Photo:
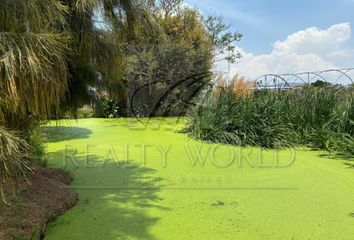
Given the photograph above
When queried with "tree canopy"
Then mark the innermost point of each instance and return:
(57, 55)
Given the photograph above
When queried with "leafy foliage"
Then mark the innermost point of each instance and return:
(317, 117)
(56, 56)
(108, 107)
(50, 52)
(165, 74)
(222, 38)
(33, 70)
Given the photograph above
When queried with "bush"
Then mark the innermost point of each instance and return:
(36, 140)
(85, 113)
(108, 107)
(318, 117)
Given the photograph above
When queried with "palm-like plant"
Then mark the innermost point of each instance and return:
(101, 32)
(14, 158)
(33, 68)
(33, 74)
(50, 49)
(46, 45)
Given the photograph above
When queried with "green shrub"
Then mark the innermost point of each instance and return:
(85, 113)
(36, 141)
(318, 117)
(108, 107)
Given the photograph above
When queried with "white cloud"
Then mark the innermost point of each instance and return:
(314, 40)
(311, 49)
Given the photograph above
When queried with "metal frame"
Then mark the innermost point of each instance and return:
(288, 81)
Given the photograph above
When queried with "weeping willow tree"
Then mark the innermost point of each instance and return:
(50, 50)
(33, 75)
(33, 67)
(101, 32)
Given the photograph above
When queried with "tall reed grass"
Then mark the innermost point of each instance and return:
(316, 117)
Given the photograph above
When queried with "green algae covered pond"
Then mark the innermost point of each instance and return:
(144, 180)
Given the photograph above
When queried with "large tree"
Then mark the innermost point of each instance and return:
(34, 43)
(50, 51)
(165, 72)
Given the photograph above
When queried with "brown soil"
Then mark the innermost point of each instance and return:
(46, 197)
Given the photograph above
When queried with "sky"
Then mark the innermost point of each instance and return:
(287, 36)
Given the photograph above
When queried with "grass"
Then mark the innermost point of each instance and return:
(249, 198)
(315, 117)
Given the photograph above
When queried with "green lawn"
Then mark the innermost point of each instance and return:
(238, 193)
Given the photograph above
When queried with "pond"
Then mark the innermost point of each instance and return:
(145, 180)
